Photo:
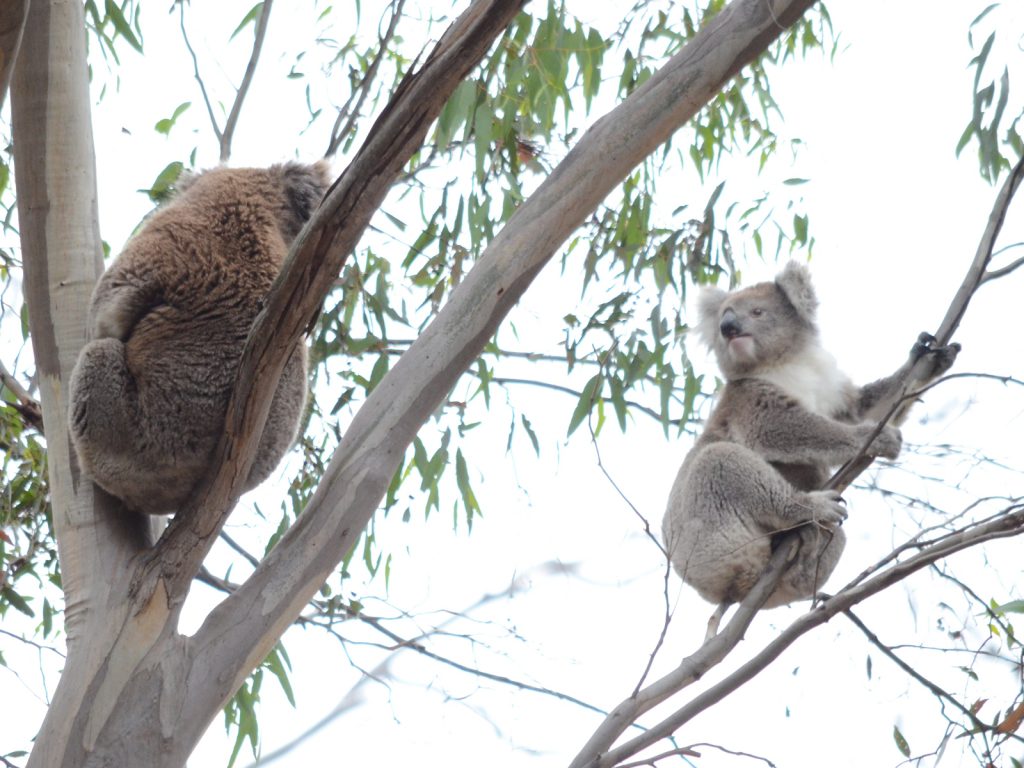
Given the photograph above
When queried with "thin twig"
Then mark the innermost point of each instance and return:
(198, 77)
(933, 687)
(973, 279)
(243, 88)
(1009, 524)
(363, 89)
(27, 406)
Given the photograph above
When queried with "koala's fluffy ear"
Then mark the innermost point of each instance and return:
(304, 186)
(709, 303)
(795, 283)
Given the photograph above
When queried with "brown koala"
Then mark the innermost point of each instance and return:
(786, 417)
(169, 320)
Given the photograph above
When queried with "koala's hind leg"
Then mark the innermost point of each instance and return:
(820, 549)
(104, 401)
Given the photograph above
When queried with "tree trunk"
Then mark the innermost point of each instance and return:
(134, 692)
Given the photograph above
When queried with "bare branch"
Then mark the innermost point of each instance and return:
(976, 274)
(1006, 525)
(995, 274)
(243, 88)
(933, 687)
(308, 275)
(362, 91)
(199, 79)
(29, 408)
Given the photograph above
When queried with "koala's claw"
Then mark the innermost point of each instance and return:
(828, 508)
(924, 344)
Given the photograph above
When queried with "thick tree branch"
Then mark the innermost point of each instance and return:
(308, 274)
(376, 440)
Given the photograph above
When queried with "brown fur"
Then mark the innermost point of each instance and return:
(169, 320)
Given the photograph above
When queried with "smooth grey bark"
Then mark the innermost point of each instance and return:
(137, 693)
(129, 694)
(55, 173)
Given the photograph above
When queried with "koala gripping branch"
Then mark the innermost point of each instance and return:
(977, 273)
(309, 273)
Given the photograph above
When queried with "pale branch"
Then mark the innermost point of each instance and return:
(1006, 525)
(12, 24)
(1003, 271)
(306, 278)
(199, 78)
(692, 668)
(240, 631)
(27, 406)
(918, 541)
(243, 88)
(975, 276)
(657, 543)
(362, 91)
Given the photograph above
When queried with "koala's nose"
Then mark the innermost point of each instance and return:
(730, 325)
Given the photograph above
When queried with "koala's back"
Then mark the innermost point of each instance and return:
(170, 318)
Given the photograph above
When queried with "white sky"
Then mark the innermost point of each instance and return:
(896, 218)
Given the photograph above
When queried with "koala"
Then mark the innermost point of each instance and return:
(168, 322)
(786, 417)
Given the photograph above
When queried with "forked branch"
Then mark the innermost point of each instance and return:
(598, 752)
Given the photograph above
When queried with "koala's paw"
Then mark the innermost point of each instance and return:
(940, 359)
(886, 445)
(827, 508)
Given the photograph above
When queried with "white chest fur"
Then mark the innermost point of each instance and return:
(813, 379)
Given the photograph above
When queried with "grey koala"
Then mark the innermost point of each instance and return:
(786, 416)
(168, 322)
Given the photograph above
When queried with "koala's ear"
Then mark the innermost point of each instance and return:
(709, 304)
(795, 283)
(304, 186)
(186, 178)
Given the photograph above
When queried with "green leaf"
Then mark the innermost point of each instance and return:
(901, 743)
(121, 25)
(586, 402)
(279, 665)
(530, 434)
(465, 488)
(250, 17)
(164, 181)
(1014, 606)
(164, 126)
(12, 597)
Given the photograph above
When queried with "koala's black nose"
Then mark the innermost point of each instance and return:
(730, 325)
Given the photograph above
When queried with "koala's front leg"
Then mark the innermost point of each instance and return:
(926, 362)
(793, 435)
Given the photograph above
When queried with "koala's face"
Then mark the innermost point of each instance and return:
(756, 328)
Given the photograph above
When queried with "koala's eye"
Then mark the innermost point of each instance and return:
(757, 311)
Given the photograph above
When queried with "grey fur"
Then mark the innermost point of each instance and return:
(784, 419)
(169, 319)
